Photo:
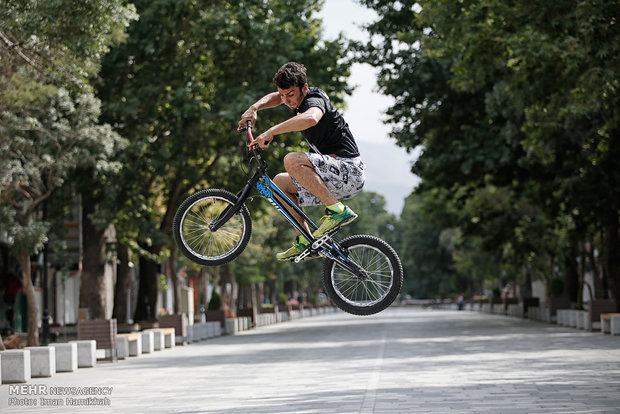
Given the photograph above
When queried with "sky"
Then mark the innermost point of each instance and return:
(388, 166)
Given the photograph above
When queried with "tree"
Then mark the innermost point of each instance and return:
(176, 89)
(48, 114)
(521, 98)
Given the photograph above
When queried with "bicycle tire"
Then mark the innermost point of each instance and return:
(378, 290)
(197, 242)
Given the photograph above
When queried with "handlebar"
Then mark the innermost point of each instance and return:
(253, 145)
(248, 128)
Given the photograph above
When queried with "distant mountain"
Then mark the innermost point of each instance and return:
(388, 172)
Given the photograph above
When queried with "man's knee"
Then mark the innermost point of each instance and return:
(281, 179)
(285, 183)
(293, 160)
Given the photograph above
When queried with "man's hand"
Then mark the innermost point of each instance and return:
(249, 115)
(264, 139)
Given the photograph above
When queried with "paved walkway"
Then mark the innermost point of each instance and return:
(399, 361)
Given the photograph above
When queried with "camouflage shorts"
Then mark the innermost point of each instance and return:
(344, 177)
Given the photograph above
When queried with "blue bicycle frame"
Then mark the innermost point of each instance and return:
(268, 189)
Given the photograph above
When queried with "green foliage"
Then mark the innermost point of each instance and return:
(162, 283)
(516, 108)
(373, 218)
(556, 287)
(282, 298)
(215, 303)
(41, 146)
(49, 117)
(177, 87)
(426, 259)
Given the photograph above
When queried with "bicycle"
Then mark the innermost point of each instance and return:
(362, 274)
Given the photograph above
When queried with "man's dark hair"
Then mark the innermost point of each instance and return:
(289, 75)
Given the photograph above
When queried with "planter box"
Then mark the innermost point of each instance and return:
(103, 332)
(596, 308)
(529, 303)
(249, 313)
(555, 304)
(216, 316)
(177, 321)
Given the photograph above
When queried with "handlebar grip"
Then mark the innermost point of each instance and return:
(245, 128)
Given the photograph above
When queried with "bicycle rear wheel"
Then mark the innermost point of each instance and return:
(378, 285)
(194, 237)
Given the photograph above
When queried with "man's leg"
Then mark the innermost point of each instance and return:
(302, 170)
(284, 182)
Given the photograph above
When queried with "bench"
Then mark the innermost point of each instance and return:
(158, 338)
(163, 337)
(148, 342)
(130, 344)
(169, 337)
(610, 322)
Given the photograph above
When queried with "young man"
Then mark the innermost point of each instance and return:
(333, 169)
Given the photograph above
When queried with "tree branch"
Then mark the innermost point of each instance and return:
(10, 45)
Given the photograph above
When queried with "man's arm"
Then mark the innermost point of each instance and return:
(271, 100)
(299, 122)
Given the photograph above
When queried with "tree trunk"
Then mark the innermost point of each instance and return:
(202, 289)
(260, 294)
(582, 276)
(33, 326)
(92, 286)
(254, 302)
(147, 291)
(123, 284)
(176, 283)
(612, 246)
(230, 291)
(597, 277)
(572, 274)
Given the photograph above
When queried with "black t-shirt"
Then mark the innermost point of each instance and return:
(331, 135)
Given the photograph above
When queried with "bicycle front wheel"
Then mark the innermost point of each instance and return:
(375, 286)
(194, 236)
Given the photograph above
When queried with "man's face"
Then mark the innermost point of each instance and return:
(292, 97)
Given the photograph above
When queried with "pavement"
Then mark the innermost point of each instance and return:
(403, 360)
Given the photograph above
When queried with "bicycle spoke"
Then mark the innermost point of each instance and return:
(199, 238)
(363, 291)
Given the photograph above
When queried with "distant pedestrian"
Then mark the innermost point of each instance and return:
(460, 302)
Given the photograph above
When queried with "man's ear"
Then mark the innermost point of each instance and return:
(305, 88)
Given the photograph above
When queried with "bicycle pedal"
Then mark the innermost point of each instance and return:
(302, 256)
(323, 240)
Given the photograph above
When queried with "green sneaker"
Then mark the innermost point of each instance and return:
(297, 249)
(331, 221)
